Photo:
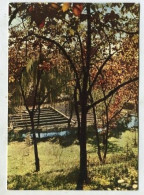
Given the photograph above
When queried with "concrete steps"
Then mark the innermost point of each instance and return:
(48, 117)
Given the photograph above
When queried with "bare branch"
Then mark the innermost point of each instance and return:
(121, 30)
(113, 91)
(100, 70)
(82, 57)
(24, 97)
(65, 54)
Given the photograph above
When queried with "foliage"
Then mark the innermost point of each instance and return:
(28, 139)
(93, 40)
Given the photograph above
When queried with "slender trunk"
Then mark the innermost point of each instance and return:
(96, 130)
(38, 113)
(31, 112)
(37, 164)
(97, 135)
(77, 112)
(70, 112)
(106, 147)
(106, 135)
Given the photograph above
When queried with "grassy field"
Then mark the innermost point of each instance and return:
(59, 161)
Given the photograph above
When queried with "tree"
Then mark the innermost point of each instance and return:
(89, 36)
(35, 76)
(111, 76)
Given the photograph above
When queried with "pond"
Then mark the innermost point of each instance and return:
(132, 123)
(50, 134)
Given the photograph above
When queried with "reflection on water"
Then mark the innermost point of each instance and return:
(50, 134)
(54, 134)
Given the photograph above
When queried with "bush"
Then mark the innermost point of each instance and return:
(28, 139)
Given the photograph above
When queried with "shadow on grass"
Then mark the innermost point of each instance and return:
(56, 180)
(112, 148)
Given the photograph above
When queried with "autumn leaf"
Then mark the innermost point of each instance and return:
(54, 5)
(11, 79)
(41, 25)
(77, 9)
(65, 7)
(30, 9)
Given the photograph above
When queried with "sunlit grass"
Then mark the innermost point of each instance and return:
(59, 165)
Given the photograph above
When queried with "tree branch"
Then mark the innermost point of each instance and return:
(82, 56)
(119, 111)
(121, 30)
(130, 33)
(65, 54)
(23, 95)
(113, 91)
(99, 71)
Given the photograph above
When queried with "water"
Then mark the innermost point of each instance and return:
(54, 134)
(100, 130)
(50, 134)
(133, 122)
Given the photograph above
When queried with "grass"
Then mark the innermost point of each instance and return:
(59, 163)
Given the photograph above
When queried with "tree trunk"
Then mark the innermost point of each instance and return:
(70, 113)
(77, 112)
(106, 148)
(83, 153)
(97, 134)
(107, 131)
(37, 164)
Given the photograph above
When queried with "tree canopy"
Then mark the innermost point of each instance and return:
(91, 48)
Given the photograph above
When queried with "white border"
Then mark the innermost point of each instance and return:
(4, 103)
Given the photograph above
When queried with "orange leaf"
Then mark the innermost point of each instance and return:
(65, 7)
(77, 9)
(54, 5)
